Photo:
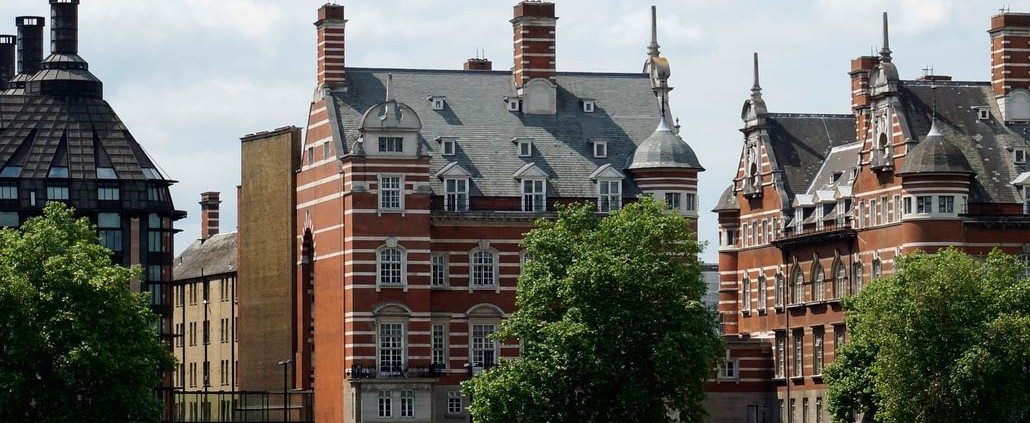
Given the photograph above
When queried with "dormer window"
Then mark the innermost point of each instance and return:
(391, 144)
(438, 101)
(10, 171)
(58, 172)
(983, 113)
(448, 145)
(1019, 155)
(588, 106)
(106, 173)
(600, 149)
(514, 103)
(525, 147)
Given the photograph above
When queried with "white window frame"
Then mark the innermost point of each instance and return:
(779, 290)
(799, 353)
(438, 103)
(600, 149)
(482, 274)
(763, 295)
(480, 344)
(840, 280)
(439, 344)
(690, 202)
(818, 283)
(674, 200)
(780, 356)
(399, 352)
(533, 201)
(924, 208)
(1019, 155)
(407, 404)
(398, 190)
(609, 199)
(729, 369)
(797, 287)
(818, 353)
(745, 298)
(8, 190)
(456, 194)
(525, 148)
(399, 275)
(385, 404)
(455, 403)
(857, 271)
(448, 147)
(946, 204)
(439, 272)
(589, 106)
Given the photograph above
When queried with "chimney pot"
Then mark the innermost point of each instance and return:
(209, 204)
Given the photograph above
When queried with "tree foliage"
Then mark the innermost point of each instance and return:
(609, 322)
(75, 344)
(946, 338)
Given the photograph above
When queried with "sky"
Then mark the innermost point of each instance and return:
(190, 77)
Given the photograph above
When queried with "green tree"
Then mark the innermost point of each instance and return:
(609, 322)
(946, 338)
(75, 344)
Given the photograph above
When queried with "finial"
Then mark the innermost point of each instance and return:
(677, 126)
(652, 50)
(389, 86)
(885, 52)
(756, 90)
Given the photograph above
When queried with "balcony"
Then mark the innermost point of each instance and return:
(421, 371)
(811, 234)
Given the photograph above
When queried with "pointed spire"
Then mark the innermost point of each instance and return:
(652, 49)
(389, 87)
(756, 89)
(885, 52)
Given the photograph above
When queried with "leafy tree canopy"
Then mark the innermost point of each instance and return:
(609, 322)
(75, 344)
(946, 338)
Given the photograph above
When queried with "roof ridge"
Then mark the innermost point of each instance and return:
(814, 115)
(497, 72)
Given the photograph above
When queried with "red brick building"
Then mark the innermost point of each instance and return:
(415, 188)
(822, 204)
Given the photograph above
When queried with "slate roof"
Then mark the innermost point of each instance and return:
(37, 132)
(936, 154)
(214, 256)
(802, 142)
(841, 159)
(986, 144)
(476, 114)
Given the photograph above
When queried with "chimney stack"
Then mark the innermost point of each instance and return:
(30, 44)
(331, 46)
(1010, 52)
(64, 26)
(8, 43)
(478, 64)
(209, 214)
(861, 69)
(534, 25)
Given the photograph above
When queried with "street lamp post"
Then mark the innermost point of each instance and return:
(286, 396)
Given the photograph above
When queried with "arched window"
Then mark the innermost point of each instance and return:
(856, 277)
(818, 283)
(745, 298)
(797, 289)
(840, 280)
(877, 268)
(390, 262)
(484, 268)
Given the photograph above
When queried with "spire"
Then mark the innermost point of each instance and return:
(756, 90)
(933, 117)
(885, 52)
(652, 49)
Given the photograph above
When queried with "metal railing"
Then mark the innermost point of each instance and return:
(232, 407)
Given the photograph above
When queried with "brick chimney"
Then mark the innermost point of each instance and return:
(478, 64)
(209, 214)
(1010, 41)
(861, 68)
(331, 64)
(534, 26)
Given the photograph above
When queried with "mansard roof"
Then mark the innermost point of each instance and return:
(801, 144)
(985, 144)
(476, 115)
